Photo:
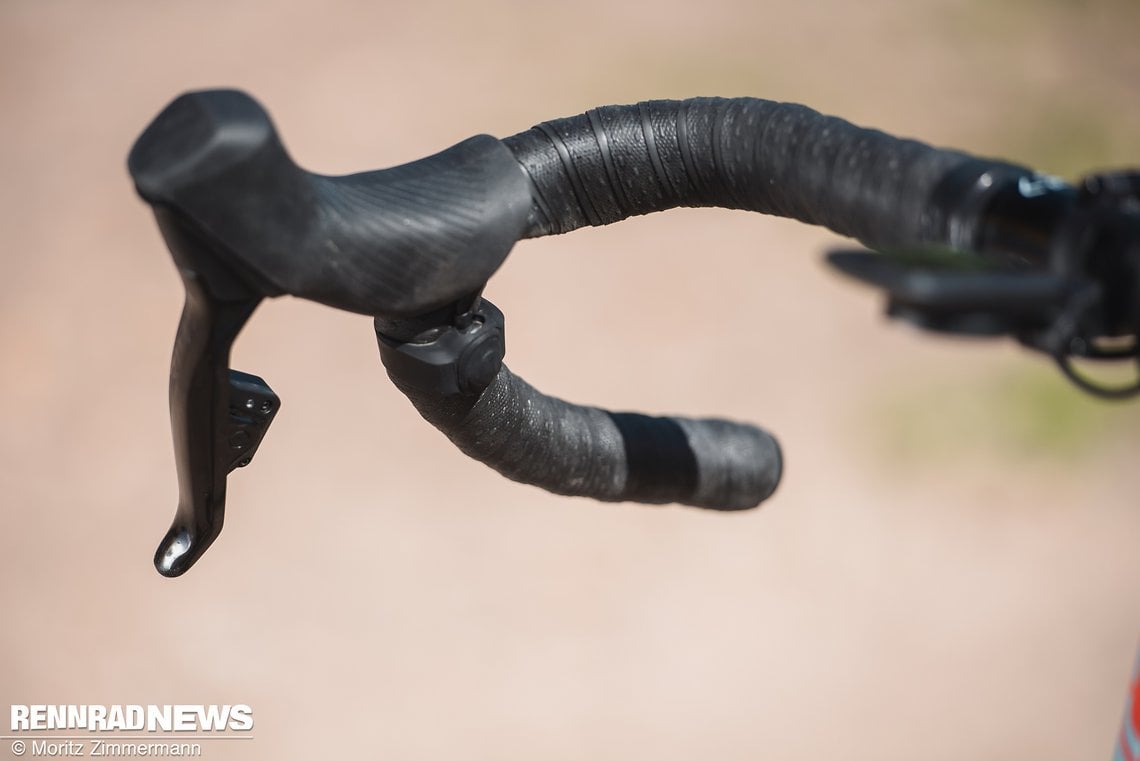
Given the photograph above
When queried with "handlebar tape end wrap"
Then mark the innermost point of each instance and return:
(576, 450)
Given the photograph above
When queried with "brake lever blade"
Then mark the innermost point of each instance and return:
(218, 416)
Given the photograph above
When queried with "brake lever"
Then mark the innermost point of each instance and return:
(934, 292)
(218, 416)
(244, 222)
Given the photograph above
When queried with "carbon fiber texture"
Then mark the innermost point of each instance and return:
(396, 241)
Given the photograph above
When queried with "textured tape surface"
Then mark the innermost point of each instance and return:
(617, 161)
(742, 153)
(585, 451)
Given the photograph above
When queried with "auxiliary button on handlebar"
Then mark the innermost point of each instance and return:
(461, 358)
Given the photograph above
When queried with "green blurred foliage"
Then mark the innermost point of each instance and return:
(1026, 412)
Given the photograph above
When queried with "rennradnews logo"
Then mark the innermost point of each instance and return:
(132, 718)
(123, 731)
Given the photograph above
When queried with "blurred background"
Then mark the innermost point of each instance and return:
(949, 570)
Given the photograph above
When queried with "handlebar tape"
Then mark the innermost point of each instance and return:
(618, 161)
(744, 153)
(586, 451)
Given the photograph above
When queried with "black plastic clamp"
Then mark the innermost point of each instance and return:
(459, 358)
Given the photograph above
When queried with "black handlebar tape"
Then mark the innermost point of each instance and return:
(396, 241)
(584, 451)
(745, 153)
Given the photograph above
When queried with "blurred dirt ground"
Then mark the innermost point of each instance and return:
(949, 570)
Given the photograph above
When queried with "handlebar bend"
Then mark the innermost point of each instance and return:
(414, 245)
